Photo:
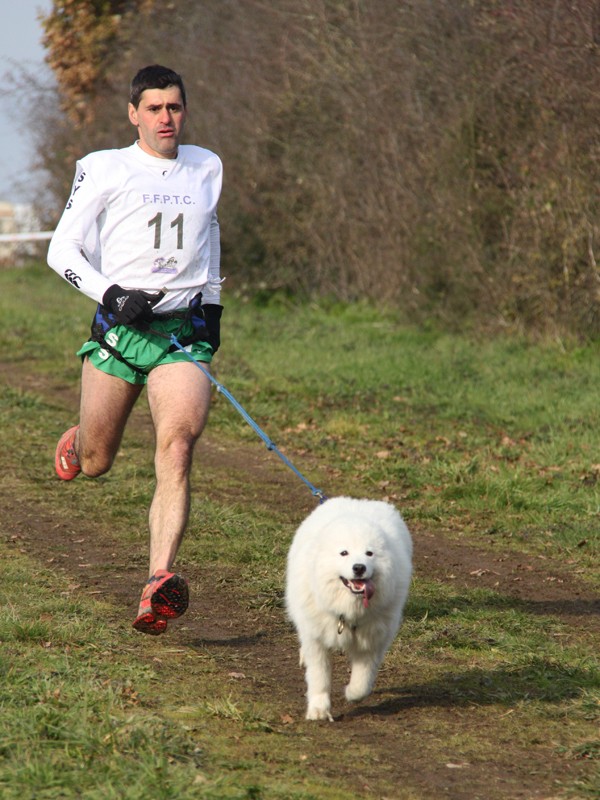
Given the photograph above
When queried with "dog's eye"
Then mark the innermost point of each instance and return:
(344, 553)
(369, 553)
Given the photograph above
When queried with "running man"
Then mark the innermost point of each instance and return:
(140, 236)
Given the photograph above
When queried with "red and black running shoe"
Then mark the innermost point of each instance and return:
(66, 462)
(165, 597)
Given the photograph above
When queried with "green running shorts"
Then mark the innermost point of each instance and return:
(143, 349)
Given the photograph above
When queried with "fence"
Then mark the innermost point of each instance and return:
(34, 236)
(18, 247)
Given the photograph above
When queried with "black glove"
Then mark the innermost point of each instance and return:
(212, 317)
(129, 305)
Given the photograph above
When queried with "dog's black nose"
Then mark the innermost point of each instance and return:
(359, 569)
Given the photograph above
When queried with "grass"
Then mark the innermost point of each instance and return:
(71, 721)
(478, 439)
(494, 436)
(78, 712)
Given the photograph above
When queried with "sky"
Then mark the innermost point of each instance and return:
(20, 43)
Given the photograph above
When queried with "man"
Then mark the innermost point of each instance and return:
(140, 236)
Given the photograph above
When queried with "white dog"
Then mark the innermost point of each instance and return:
(348, 574)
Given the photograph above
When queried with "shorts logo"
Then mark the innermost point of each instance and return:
(72, 277)
(112, 338)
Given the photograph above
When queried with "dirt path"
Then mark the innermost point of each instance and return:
(258, 644)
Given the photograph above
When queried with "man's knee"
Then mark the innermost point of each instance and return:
(92, 469)
(96, 462)
(176, 452)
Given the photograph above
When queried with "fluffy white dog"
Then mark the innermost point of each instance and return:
(348, 574)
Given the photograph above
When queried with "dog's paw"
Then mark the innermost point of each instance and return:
(319, 714)
(355, 692)
(319, 708)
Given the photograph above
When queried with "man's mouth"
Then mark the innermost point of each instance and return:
(366, 588)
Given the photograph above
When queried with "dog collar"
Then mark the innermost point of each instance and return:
(342, 625)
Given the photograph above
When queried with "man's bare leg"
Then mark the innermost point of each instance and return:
(179, 399)
(91, 446)
(106, 403)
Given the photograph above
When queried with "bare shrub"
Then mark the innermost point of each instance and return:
(439, 157)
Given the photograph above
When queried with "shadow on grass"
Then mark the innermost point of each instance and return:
(539, 681)
(561, 608)
(418, 607)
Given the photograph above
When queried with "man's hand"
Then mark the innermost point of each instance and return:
(129, 305)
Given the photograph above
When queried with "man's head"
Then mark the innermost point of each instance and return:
(157, 108)
(154, 77)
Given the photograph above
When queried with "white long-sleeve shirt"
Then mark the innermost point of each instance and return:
(143, 222)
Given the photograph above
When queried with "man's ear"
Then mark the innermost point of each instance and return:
(132, 114)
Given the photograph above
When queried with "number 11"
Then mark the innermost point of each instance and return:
(157, 222)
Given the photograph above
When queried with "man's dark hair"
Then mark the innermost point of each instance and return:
(154, 77)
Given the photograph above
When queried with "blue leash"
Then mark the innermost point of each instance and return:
(269, 443)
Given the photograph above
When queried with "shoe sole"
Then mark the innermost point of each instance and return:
(147, 623)
(171, 599)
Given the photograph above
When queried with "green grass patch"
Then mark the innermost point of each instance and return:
(497, 435)
(481, 439)
(83, 713)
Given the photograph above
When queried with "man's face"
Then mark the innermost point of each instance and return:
(159, 118)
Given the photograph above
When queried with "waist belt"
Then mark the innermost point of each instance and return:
(180, 313)
(104, 320)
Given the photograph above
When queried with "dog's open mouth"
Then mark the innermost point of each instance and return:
(358, 587)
